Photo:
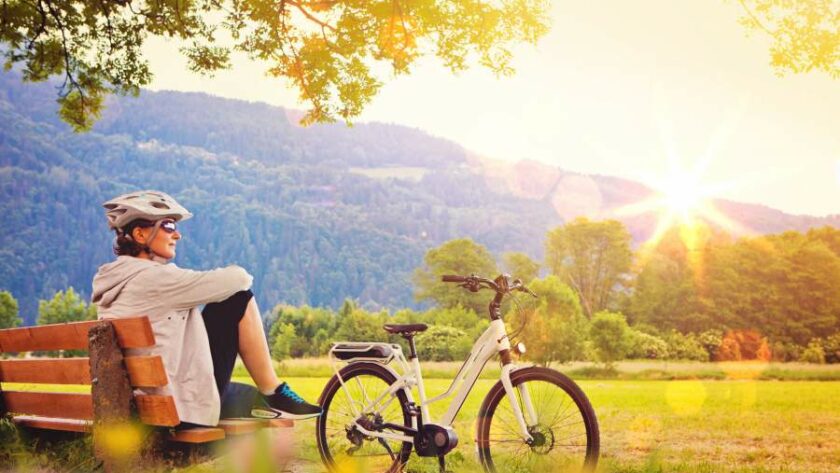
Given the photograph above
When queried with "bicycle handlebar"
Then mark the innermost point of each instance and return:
(453, 278)
(502, 284)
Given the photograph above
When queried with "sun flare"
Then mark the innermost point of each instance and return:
(683, 200)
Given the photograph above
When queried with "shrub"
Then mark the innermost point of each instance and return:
(711, 340)
(685, 347)
(646, 346)
(814, 353)
(831, 348)
(785, 351)
(743, 345)
(442, 343)
(555, 329)
(610, 337)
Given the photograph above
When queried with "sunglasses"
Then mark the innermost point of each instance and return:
(168, 226)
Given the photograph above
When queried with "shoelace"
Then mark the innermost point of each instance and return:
(287, 391)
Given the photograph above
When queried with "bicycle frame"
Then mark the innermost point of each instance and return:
(493, 340)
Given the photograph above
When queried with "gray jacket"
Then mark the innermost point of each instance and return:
(170, 297)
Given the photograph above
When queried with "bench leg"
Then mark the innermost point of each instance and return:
(117, 439)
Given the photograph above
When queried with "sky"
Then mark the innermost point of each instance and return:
(618, 88)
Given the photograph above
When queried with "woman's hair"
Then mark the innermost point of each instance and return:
(124, 244)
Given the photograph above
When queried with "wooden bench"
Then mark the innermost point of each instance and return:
(111, 375)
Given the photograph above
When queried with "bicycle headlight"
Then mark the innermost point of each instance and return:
(519, 348)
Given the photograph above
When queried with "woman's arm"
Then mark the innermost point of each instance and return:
(184, 288)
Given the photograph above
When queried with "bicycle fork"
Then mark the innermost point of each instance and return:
(518, 407)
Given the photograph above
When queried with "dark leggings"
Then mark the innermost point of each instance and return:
(222, 322)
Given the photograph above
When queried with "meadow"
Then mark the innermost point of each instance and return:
(671, 426)
(743, 421)
(739, 417)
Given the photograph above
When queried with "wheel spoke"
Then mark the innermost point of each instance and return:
(559, 438)
(340, 441)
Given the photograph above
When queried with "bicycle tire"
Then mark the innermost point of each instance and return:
(334, 413)
(497, 443)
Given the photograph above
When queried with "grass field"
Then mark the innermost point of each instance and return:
(739, 422)
(680, 426)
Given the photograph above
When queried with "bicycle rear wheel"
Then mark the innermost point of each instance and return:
(341, 445)
(565, 434)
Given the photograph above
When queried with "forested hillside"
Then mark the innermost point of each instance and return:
(316, 214)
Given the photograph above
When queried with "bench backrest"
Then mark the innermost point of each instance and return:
(143, 371)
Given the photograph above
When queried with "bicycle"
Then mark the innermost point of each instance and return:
(546, 424)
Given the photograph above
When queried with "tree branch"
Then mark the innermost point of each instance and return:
(754, 18)
(68, 74)
(309, 15)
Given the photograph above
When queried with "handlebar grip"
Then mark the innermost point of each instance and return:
(452, 278)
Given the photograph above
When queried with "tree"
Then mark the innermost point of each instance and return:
(442, 343)
(460, 257)
(610, 337)
(65, 306)
(555, 329)
(591, 257)
(520, 266)
(9, 316)
(665, 291)
(326, 49)
(282, 336)
(805, 33)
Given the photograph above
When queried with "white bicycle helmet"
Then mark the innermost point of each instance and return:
(145, 205)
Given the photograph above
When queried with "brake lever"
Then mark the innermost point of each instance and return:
(526, 290)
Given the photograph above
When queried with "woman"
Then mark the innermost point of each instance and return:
(198, 348)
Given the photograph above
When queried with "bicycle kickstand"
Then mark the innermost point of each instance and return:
(442, 463)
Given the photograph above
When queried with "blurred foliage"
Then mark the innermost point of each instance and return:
(610, 337)
(456, 257)
(65, 306)
(9, 315)
(554, 330)
(593, 258)
(805, 34)
(520, 266)
(327, 50)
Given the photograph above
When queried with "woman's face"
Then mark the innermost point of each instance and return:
(164, 242)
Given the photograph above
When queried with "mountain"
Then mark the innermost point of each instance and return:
(316, 214)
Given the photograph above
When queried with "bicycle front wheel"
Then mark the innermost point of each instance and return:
(562, 425)
(343, 447)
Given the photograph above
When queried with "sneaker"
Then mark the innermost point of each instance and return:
(283, 404)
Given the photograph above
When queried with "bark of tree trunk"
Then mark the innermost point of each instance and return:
(116, 437)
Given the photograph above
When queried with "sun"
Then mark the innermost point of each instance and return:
(682, 199)
(683, 196)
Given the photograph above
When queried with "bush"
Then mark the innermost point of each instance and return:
(711, 341)
(785, 351)
(685, 347)
(831, 348)
(646, 346)
(610, 337)
(555, 329)
(814, 353)
(442, 343)
(743, 345)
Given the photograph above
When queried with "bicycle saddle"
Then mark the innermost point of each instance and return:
(403, 329)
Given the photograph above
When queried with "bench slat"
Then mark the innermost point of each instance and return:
(65, 405)
(157, 410)
(48, 370)
(52, 423)
(152, 409)
(143, 371)
(146, 371)
(134, 332)
(200, 435)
